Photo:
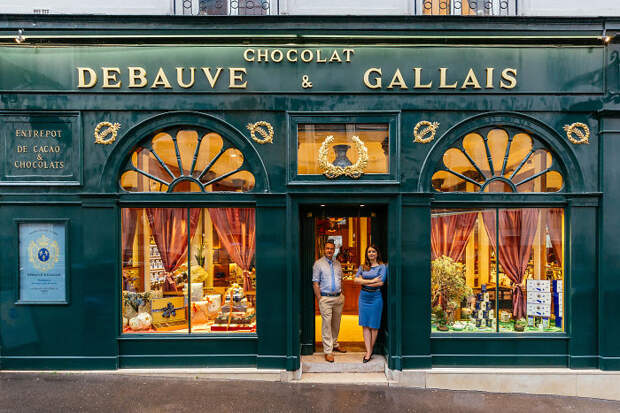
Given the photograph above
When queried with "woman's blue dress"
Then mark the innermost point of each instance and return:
(371, 302)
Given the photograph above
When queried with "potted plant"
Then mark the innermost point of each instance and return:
(520, 325)
(440, 318)
(449, 287)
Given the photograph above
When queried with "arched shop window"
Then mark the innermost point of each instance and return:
(498, 160)
(497, 270)
(186, 159)
(188, 270)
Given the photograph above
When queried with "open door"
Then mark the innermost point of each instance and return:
(352, 228)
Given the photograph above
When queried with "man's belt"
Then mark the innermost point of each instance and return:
(330, 294)
(369, 289)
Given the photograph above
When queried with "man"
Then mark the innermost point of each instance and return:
(326, 282)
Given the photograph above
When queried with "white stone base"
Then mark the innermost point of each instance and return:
(561, 382)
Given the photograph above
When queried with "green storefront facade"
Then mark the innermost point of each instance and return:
(555, 79)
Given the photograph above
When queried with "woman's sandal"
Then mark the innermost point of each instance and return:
(366, 360)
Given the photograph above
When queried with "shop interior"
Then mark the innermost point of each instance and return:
(352, 231)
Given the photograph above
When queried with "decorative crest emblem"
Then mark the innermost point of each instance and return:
(43, 253)
(430, 128)
(352, 171)
(578, 133)
(110, 128)
(266, 134)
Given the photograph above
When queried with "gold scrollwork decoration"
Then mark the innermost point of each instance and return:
(110, 128)
(578, 133)
(266, 134)
(352, 171)
(428, 128)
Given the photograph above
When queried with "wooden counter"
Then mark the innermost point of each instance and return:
(351, 293)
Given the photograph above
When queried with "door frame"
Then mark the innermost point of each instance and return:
(390, 204)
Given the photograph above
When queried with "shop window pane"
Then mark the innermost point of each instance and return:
(185, 160)
(462, 285)
(342, 151)
(157, 270)
(531, 269)
(477, 288)
(497, 160)
(154, 261)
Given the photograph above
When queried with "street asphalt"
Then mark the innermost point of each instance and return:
(70, 392)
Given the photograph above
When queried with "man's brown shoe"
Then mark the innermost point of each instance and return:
(340, 349)
(329, 357)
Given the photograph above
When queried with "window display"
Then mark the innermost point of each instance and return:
(343, 153)
(188, 270)
(497, 270)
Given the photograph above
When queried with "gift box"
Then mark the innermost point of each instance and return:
(539, 310)
(558, 286)
(168, 311)
(538, 285)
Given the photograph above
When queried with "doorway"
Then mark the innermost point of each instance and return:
(352, 228)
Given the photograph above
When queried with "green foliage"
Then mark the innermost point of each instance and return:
(448, 282)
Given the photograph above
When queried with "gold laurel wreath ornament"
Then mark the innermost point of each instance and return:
(111, 128)
(267, 135)
(579, 129)
(352, 171)
(429, 127)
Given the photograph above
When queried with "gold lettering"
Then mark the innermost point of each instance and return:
(161, 80)
(212, 79)
(307, 52)
(246, 55)
(109, 75)
(262, 55)
(22, 149)
(236, 74)
(279, 54)
(92, 81)
(489, 78)
(137, 74)
(506, 75)
(417, 71)
(442, 79)
(192, 70)
(376, 84)
(335, 57)
(398, 80)
(289, 53)
(348, 53)
(470, 80)
(318, 57)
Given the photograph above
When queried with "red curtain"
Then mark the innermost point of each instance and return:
(169, 229)
(129, 219)
(449, 234)
(236, 228)
(553, 216)
(517, 228)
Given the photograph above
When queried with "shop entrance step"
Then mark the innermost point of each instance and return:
(344, 363)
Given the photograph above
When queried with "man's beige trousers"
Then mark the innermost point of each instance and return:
(331, 313)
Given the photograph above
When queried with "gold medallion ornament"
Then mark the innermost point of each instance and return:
(352, 171)
(266, 134)
(427, 133)
(110, 128)
(43, 253)
(578, 133)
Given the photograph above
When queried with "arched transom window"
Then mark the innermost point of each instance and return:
(498, 159)
(186, 159)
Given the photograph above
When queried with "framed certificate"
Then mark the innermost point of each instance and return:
(43, 262)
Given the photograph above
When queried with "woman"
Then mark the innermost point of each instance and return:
(371, 276)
